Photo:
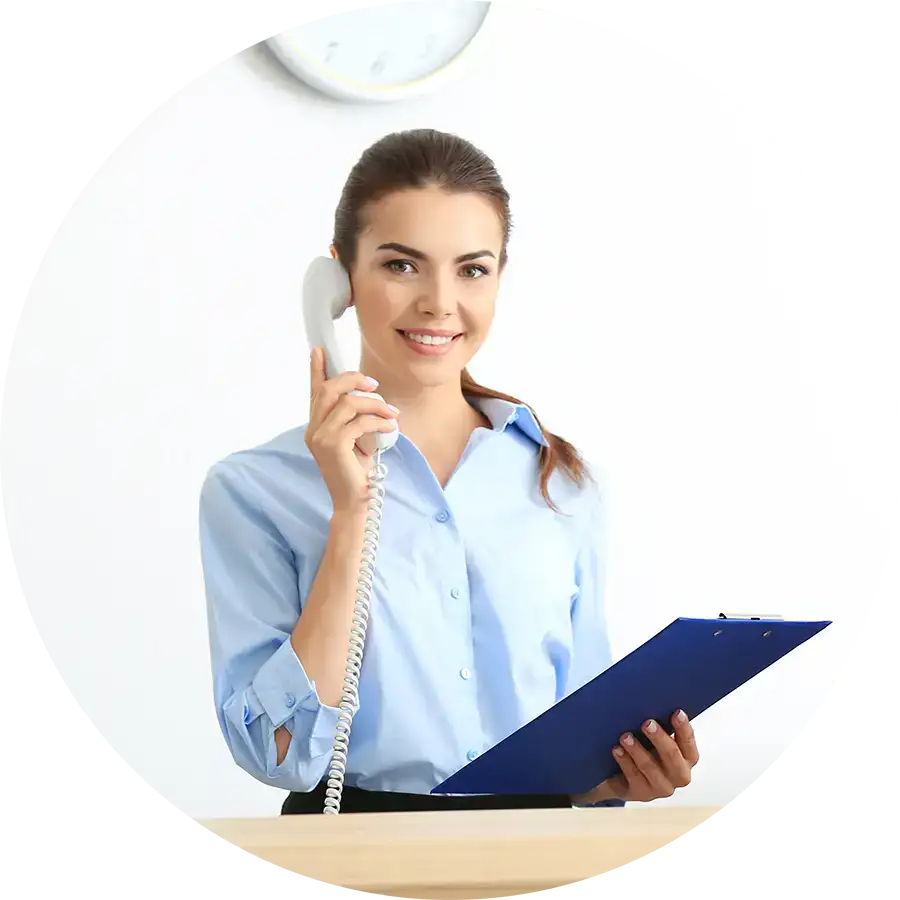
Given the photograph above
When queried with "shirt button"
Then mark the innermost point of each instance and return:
(246, 715)
(465, 673)
(455, 593)
(442, 516)
(290, 699)
(471, 755)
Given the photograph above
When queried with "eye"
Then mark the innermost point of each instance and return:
(396, 266)
(474, 271)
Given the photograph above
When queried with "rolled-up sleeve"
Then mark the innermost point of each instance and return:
(253, 604)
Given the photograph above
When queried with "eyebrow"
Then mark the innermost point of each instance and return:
(418, 254)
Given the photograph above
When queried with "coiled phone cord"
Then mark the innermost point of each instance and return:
(364, 584)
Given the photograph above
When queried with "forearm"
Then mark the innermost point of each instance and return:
(320, 637)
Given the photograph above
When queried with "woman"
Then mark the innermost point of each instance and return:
(488, 594)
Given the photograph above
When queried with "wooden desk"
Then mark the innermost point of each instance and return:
(450, 854)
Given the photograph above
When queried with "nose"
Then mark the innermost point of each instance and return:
(438, 299)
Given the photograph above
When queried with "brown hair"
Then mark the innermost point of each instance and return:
(421, 158)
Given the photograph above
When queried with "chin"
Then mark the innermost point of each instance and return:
(450, 378)
(434, 376)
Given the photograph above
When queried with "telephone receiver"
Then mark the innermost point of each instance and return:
(326, 297)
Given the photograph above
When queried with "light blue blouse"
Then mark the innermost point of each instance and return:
(487, 605)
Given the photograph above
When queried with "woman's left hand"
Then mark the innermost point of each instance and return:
(649, 776)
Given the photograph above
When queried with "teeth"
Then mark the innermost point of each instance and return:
(427, 338)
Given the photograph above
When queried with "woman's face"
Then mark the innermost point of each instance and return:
(424, 283)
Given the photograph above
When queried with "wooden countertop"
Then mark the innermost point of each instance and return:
(460, 854)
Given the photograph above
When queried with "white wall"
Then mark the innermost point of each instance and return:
(163, 331)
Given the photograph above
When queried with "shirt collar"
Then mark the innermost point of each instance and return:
(502, 413)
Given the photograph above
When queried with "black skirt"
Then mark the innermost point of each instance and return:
(356, 800)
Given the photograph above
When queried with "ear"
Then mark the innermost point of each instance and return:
(334, 255)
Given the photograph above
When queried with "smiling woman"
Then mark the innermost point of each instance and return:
(432, 209)
(488, 597)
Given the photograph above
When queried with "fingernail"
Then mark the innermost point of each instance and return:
(651, 726)
(371, 382)
(618, 751)
(682, 716)
(393, 408)
(628, 740)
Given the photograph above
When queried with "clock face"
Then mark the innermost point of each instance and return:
(383, 52)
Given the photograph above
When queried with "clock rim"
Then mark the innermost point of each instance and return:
(313, 74)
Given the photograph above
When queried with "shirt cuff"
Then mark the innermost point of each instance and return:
(286, 693)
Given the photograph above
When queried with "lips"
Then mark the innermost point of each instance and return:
(439, 348)
(429, 337)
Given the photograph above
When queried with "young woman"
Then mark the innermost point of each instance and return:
(487, 605)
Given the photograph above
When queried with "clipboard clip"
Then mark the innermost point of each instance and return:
(752, 617)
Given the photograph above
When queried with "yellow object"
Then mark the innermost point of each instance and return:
(460, 854)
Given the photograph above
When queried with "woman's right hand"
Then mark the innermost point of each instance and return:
(336, 422)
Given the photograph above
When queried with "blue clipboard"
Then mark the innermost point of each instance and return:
(691, 665)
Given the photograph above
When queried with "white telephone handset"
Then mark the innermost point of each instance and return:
(326, 296)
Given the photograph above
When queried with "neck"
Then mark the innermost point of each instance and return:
(431, 414)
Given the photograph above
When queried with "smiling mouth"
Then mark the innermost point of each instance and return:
(424, 345)
(429, 340)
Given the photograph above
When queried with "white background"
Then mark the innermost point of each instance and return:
(698, 297)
